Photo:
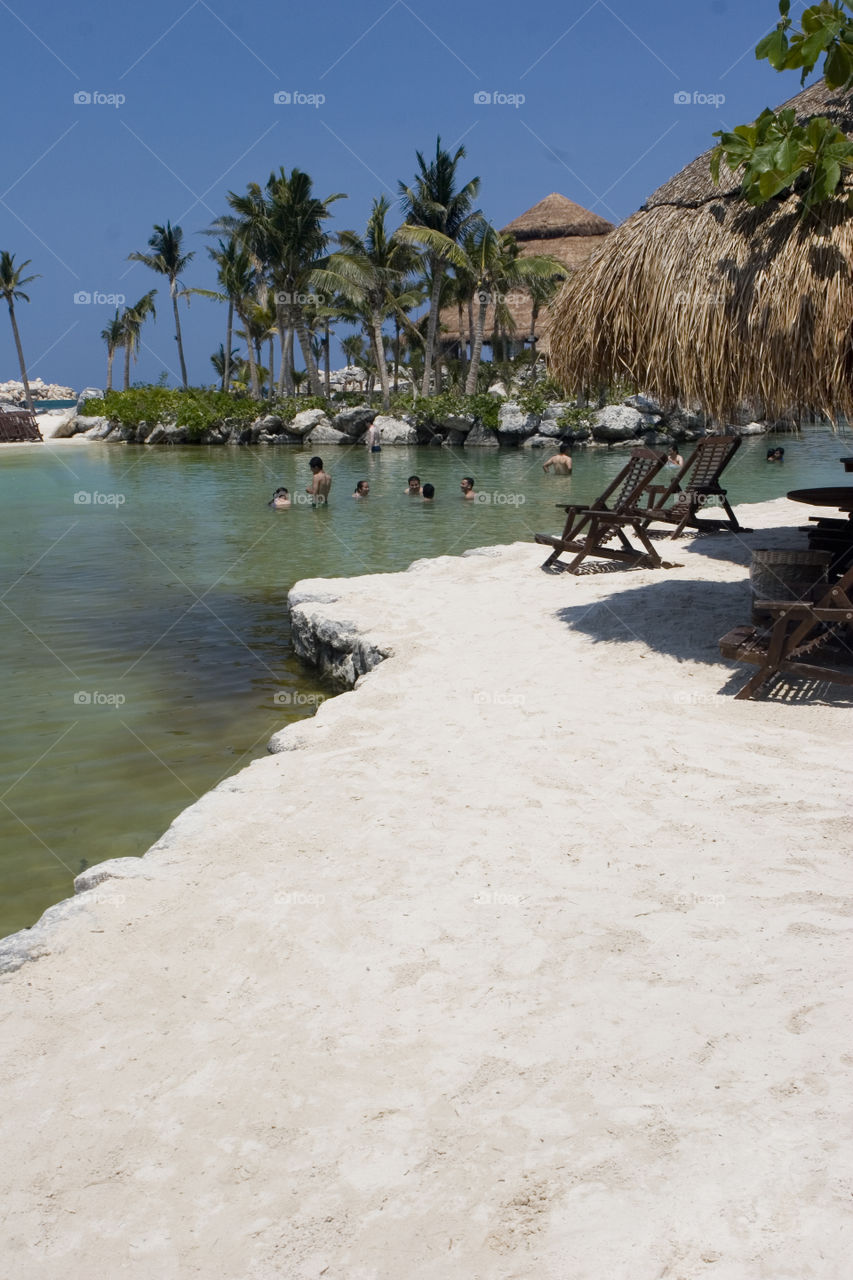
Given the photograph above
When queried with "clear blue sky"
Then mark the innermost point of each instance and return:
(82, 183)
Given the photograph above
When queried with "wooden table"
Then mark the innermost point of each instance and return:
(829, 533)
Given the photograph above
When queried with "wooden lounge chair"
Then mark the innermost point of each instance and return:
(18, 424)
(798, 630)
(697, 485)
(588, 528)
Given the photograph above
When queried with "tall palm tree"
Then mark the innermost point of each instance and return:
(113, 335)
(11, 280)
(168, 260)
(367, 270)
(132, 320)
(438, 214)
(232, 266)
(281, 226)
(497, 268)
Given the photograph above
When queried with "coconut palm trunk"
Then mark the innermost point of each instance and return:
(111, 355)
(20, 351)
(432, 328)
(271, 383)
(379, 357)
(476, 350)
(327, 359)
(126, 382)
(314, 384)
(179, 338)
(229, 332)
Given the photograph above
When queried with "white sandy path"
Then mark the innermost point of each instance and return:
(529, 962)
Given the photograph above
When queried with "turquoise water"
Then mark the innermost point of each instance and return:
(144, 639)
(41, 406)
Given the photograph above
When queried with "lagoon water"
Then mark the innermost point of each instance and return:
(144, 643)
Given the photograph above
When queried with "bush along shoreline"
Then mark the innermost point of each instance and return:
(531, 419)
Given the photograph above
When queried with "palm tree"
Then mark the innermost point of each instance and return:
(222, 361)
(497, 268)
(281, 226)
(168, 261)
(113, 335)
(437, 217)
(232, 267)
(367, 271)
(132, 320)
(11, 280)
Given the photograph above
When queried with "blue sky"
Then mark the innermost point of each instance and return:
(83, 182)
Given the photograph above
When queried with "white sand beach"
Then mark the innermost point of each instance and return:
(528, 959)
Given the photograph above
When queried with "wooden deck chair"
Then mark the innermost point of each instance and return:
(697, 485)
(588, 528)
(798, 630)
(18, 424)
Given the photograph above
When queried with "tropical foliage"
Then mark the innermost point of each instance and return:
(777, 152)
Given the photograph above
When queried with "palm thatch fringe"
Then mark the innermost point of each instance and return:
(698, 298)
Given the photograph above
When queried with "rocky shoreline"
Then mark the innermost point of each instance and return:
(637, 420)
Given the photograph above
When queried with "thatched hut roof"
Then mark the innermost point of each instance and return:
(556, 226)
(699, 298)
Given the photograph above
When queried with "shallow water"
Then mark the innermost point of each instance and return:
(144, 642)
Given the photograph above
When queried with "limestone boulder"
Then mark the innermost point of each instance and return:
(355, 421)
(57, 424)
(751, 429)
(93, 428)
(272, 423)
(515, 421)
(643, 403)
(324, 433)
(88, 393)
(306, 421)
(480, 437)
(618, 424)
(395, 430)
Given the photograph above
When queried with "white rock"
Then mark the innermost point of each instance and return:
(514, 421)
(325, 433)
(617, 424)
(395, 430)
(307, 420)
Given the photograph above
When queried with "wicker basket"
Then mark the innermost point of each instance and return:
(785, 575)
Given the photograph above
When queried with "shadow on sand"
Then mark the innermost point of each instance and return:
(684, 620)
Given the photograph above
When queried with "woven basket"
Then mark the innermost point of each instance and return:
(786, 575)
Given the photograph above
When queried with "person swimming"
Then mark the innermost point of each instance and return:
(320, 484)
(280, 500)
(428, 493)
(362, 489)
(413, 489)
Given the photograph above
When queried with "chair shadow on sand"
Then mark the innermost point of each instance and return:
(737, 548)
(684, 618)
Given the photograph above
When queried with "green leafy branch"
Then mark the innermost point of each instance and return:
(775, 152)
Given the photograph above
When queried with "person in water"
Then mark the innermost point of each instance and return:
(674, 458)
(467, 487)
(280, 500)
(320, 484)
(374, 438)
(413, 488)
(362, 489)
(560, 462)
(776, 455)
(428, 492)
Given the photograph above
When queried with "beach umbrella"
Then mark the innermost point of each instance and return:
(700, 299)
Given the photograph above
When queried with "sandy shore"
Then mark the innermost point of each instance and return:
(528, 959)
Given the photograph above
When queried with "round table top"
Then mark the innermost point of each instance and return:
(839, 496)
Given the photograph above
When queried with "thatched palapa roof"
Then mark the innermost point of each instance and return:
(699, 298)
(555, 226)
